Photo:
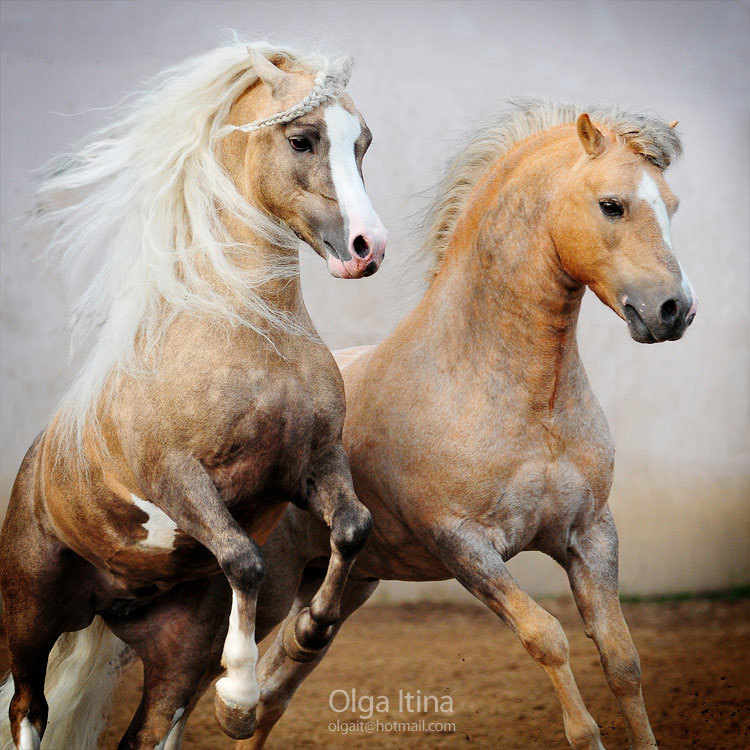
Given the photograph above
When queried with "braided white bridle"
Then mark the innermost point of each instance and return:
(328, 86)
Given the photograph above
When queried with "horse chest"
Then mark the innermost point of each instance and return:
(270, 449)
(268, 435)
(255, 438)
(550, 492)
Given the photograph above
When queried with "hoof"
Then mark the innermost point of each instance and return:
(293, 648)
(236, 722)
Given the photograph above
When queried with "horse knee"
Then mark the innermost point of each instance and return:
(623, 674)
(244, 568)
(545, 640)
(350, 527)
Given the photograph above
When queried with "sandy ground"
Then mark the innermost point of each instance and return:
(695, 658)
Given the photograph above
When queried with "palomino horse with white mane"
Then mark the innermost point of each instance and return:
(208, 401)
(483, 437)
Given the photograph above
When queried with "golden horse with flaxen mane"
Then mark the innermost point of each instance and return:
(483, 437)
(208, 402)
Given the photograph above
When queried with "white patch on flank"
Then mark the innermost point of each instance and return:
(648, 190)
(28, 737)
(240, 686)
(173, 740)
(160, 527)
(343, 130)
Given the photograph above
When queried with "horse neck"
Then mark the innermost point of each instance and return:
(260, 258)
(502, 298)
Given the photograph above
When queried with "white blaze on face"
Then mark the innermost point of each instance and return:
(240, 686)
(160, 527)
(343, 130)
(648, 191)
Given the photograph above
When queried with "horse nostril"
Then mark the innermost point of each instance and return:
(360, 246)
(669, 311)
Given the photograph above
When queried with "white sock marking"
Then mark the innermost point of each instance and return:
(240, 686)
(160, 527)
(28, 737)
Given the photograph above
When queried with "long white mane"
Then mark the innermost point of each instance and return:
(141, 200)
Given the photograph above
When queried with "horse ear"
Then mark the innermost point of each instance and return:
(275, 78)
(341, 68)
(591, 138)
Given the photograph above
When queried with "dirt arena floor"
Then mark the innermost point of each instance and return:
(695, 656)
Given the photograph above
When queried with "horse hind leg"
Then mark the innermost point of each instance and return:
(331, 499)
(174, 636)
(32, 629)
(280, 675)
(44, 595)
(28, 708)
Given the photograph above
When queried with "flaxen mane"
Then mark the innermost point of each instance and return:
(140, 202)
(649, 136)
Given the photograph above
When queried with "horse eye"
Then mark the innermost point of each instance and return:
(300, 144)
(611, 208)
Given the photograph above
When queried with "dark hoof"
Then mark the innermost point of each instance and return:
(293, 648)
(237, 723)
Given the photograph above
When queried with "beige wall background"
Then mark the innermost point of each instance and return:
(426, 72)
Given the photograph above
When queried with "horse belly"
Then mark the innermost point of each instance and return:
(410, 562)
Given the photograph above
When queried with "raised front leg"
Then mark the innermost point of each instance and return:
(469, 552)
(592, 570)
(186, 493)
(330, 498)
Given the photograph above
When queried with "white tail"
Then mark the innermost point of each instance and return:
(82, 673)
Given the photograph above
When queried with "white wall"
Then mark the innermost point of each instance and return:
(427, 71)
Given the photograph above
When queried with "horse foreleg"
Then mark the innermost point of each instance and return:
(330, 498)
(468, 551)
(592, 571)
(279, 674)
(185, 492)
